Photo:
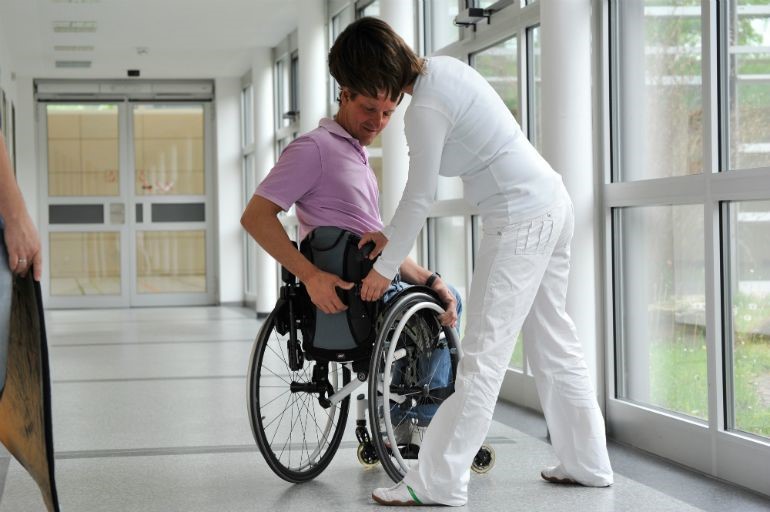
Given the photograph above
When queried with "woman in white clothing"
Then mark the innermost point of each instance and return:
(457, 125)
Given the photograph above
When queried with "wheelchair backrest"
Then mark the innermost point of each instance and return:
(348, 335)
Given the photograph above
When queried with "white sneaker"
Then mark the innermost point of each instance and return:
(557, 475)
(400, 495)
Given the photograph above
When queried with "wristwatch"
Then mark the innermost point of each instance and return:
(432, 279)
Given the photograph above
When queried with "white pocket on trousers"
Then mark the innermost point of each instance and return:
(534, 237)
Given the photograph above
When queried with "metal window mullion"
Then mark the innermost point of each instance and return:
(713, 291)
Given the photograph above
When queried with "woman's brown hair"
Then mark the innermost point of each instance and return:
(369, 57)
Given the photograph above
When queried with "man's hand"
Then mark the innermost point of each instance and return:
(322, 288)
(374, 286)
(449, 316)
(379, 243)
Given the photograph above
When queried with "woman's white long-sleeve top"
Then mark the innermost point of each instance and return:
(457, 125)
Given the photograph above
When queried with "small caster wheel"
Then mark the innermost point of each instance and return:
(484, 459)
(367, 455)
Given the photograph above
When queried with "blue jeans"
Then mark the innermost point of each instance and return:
(435, 371)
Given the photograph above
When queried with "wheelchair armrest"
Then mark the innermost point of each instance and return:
(286, 276)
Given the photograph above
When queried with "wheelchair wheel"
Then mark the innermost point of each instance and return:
(412, 372)
(296, 434)
(484, 459)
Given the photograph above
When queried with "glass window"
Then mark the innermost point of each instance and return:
(250, 185)
(748, 87)
(660, 320)
(372, 9)
(168, 150)
(660, 95)
(440, 20)
(170, 261)
(83, 150)
(748, 253)
(451, 264)
(535, 89)
(247, 115)
(86, 263)
(281, 94)
(499, 65)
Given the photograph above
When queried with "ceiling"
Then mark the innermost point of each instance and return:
(161, 38)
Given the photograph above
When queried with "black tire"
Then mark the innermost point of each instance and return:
(296, 435)
(402, 368)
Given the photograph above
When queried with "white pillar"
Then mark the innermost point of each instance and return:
(395, 157)
(313, 68)
(264, 159)
(567, 145)
(228, 187)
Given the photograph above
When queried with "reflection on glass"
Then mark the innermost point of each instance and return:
(535, 90)
(450, 252)
(171, 261)
(749, 256)
(748, 84)
(440, 17)
(499, 65)
(168, 150)
(83, 150)
(660, 321)
(660, 94)
(85, 263)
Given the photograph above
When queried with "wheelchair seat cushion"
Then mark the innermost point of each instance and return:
(348, 335)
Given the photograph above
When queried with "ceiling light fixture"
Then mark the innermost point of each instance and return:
(73, 63)
(74, 26)
(73, 48)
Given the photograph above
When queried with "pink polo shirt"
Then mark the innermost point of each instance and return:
(326, 173)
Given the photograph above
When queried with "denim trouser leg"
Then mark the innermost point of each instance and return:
(436, 370)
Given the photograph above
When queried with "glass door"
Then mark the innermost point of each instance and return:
(127, 220)
(85, 186)
(172, 258)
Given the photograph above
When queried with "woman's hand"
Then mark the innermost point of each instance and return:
(23, 245)
(374, 286)
(379, 243)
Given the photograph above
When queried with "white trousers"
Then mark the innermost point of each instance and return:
(520, 280)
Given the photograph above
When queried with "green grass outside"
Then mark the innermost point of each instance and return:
(678, 380)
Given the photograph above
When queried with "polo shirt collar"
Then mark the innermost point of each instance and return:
(334, 127)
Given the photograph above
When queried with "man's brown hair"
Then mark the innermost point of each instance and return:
(369, 57)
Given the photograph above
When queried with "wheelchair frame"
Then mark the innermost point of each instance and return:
(328, 385)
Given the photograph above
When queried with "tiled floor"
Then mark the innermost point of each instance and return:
(150, 415)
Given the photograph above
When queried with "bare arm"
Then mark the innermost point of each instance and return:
(21, 239)
(261, 222)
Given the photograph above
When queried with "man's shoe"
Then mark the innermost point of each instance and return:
(557, 475)
(400, 495)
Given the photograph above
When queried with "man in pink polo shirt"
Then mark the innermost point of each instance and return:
(326, 174)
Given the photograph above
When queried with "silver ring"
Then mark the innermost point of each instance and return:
(22, 260)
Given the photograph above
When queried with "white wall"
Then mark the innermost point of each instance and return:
(229, 189)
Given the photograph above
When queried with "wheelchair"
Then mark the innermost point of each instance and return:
(305, 365)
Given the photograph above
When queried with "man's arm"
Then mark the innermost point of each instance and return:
(413, 273)
(260, 220)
